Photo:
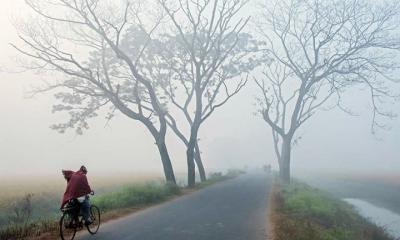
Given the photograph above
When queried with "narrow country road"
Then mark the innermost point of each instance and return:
(232, 210)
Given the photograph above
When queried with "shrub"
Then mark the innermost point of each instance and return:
(22, 210)
(213, 175)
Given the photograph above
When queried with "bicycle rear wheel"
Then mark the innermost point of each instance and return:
(67, 227)
(95, 216)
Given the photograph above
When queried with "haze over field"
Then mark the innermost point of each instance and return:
(336, 142)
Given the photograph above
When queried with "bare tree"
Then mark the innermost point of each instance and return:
(316, 50)
(84, 41)
(162, 64)
(209, 65)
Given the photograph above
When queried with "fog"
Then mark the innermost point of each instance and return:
(233, 137)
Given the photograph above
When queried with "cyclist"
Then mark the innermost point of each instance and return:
(78, 188)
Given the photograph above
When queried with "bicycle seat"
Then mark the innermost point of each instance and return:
(71, 205)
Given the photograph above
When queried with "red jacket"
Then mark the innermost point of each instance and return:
(77, 185)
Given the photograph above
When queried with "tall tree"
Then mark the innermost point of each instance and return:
(316, 50)
(84, 40)
(163, 65)
(208, 57)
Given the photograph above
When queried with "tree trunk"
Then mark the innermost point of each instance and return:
(190, 164)
(166, 161)
(284, 165)
(199, 163)
(194, 128)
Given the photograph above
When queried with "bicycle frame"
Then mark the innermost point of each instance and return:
(72, 219)
(73, 209)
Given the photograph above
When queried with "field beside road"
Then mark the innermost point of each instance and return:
(31, 208)
(41, 196)
(301, 212)
(380, 189)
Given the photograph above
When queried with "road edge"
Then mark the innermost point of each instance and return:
(124, 212)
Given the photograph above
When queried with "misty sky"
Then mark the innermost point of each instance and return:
(232, 137)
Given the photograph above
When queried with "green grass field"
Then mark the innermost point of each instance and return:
(46, 194)
(135, 195)
(32, 208)
(305, 213)
(379, 189)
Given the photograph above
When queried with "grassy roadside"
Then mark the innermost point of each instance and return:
(300, 212)
(116, 204)
(379, 189)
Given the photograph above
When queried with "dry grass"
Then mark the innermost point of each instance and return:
(43, 208)
(118, 198)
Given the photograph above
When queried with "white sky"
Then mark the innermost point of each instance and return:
(233, 137)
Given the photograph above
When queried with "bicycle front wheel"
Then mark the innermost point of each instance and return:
(67, 227)
(95, 216)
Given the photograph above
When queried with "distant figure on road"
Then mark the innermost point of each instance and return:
(78, 188)
(267, 168)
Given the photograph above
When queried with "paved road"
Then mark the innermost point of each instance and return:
(232, 210)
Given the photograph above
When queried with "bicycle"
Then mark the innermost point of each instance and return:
(72, 220)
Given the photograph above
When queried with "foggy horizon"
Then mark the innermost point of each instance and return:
(200, 119)
(28, 147)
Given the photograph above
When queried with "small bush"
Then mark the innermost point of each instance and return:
(22, 210)
(214, 175)
(235, 172)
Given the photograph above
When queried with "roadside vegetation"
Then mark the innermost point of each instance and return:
(301, 212)
(19, 220)
(379, 189)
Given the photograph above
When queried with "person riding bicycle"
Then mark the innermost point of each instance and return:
(78, 188)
